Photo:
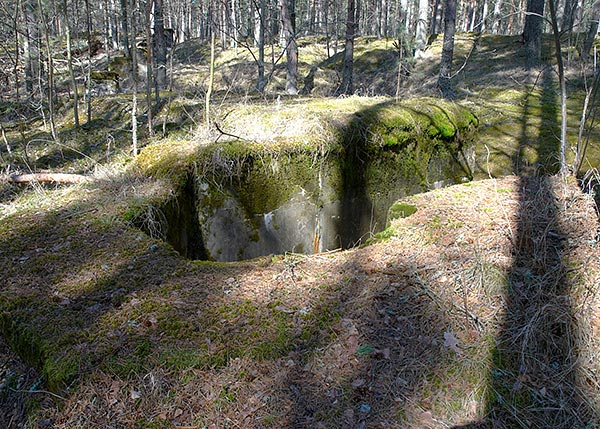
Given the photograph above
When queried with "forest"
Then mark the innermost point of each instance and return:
(299, 214)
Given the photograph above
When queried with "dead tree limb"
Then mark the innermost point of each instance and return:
(61, 178)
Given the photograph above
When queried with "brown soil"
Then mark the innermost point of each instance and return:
(481, 310)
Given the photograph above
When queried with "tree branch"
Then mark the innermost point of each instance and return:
(62, 178)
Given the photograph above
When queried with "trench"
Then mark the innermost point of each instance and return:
(298, 202)
(241, 201)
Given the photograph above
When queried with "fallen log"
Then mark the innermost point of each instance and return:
(62, 178)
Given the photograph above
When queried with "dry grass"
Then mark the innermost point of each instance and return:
(465, 315)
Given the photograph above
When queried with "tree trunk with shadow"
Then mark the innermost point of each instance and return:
(347, 86)
(445, 76)
(291, 48)
(532, 33)
(535, 380)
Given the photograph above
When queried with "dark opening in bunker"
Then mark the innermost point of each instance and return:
(298, 206)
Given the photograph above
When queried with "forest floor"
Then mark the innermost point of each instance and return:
(479, 310)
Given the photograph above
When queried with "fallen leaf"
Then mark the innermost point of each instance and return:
(426, 418)
(113, 393)
(451, 342)
(365, 349)
(358, 383)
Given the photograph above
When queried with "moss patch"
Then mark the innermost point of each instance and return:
(400, 210)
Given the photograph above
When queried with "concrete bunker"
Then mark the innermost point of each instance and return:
(240, 201)
(296, 204)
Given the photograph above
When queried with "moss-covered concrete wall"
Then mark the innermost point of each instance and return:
(251, 200)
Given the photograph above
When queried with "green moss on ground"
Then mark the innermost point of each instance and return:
(400, 210)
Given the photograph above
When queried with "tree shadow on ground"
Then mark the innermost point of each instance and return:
(387, 350)
(386, 344)
(536, 378)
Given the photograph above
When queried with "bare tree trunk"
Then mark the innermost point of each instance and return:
(125, 28)
(250, 23)
(54, 26)
(436, 16)
(223, 20)
(115, 34)
(386, 17)
(180, 22)
(288, 25)
(134, 125)
(262, 81)
(497, 17)
(421, 34)
(70, 66)
(313, 16)
(88, 19)
(17, 49)
(106, 30)
(50, 91)
(511, 20)
(307, 18)
(211, 78)
(234, 26)
(378, 18)
(463, 16)
(357, 18)
(444, 80)
(327, 31)
(189, 20)
(160, 45)
(257, 21)
(484, 16)
(346, 86)
(593, 29)
(520, 14)
(30, 47)
(568, 17)
(408, 9)
(170, 91)
(149, 66)
(581, 5)
(532, 33)
(564, 168)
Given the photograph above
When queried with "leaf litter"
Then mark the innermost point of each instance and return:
(359, 339)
